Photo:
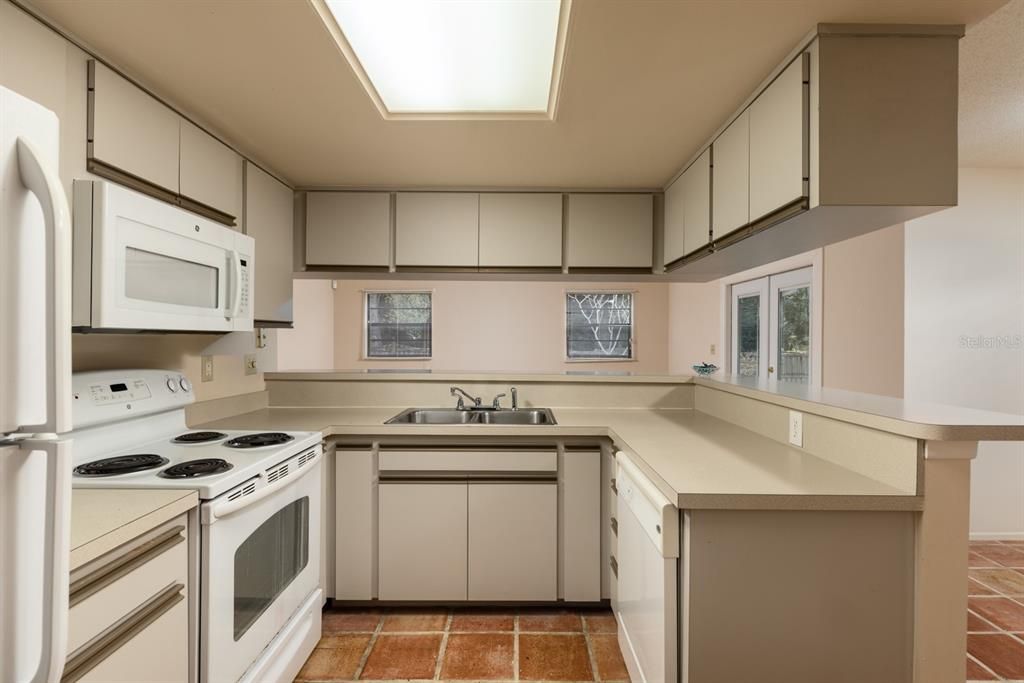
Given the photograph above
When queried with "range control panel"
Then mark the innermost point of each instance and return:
(110, 395)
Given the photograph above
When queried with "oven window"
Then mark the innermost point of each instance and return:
(169, 280)
(268, 561)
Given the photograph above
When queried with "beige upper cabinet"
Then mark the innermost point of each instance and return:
(610, 231)
(348, 229)
(731, 177)
(521, 230)
(269, 214)
(130, 131)
(779, 141)
(211, 172)
(439, 229)
(688, 209)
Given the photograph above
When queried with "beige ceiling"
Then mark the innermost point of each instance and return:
(645, 83)
(992, 90)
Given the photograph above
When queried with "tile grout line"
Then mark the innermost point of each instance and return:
(369, 648)
(515, 646)
(997, 593)
(590, 649)
(444, 646)
(984, 666)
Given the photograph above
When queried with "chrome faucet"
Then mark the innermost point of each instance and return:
(515, 398)
(460, 392)
(496, 403)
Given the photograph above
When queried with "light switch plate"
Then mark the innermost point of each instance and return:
(250, 364)
(796, 428)
(207, 368)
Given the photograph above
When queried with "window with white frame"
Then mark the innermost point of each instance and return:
(773, 327)
(599, 326)
(398, 324)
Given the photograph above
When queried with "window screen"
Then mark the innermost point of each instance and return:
(398, 324)
(599, 325)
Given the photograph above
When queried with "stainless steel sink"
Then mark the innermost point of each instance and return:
(451, 416)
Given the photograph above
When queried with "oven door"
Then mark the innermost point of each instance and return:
(261, 561)
(159, 267)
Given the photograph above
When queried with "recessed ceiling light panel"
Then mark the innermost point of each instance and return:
(476, 58)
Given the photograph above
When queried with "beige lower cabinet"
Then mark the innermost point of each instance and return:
(355, 506)
(513, 541)
(423, 541)
(128, 617)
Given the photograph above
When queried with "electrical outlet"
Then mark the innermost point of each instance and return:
(250, 364)
(207, 368)
(796, 428)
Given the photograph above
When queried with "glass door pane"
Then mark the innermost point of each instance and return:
(793, 359)
(748, 335)
(270, 559)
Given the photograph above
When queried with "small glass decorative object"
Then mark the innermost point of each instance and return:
(705, 369)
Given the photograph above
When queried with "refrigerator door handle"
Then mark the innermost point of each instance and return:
(43, 182)
(57, 558)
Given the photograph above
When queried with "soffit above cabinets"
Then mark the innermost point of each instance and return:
(644, 85)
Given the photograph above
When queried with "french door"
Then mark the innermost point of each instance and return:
(772, 327)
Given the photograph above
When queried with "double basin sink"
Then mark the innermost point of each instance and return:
(474, 416)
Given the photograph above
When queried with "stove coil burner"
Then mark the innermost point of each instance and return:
(196, 468)
(259, 440)
(121, 464)
(199, 437)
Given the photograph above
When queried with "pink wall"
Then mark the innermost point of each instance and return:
(503, 326)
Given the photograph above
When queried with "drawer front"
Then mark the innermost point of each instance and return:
(156, 653)
(468, 461)
(112, 590)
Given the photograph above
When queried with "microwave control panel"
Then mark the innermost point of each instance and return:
(246, 288)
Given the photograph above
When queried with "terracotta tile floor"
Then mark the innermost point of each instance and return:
(995, 611)
(466, 645)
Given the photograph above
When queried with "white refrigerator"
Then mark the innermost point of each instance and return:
(35, 394)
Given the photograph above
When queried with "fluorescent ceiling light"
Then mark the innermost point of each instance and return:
(462, 57)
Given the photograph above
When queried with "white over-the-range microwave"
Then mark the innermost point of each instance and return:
(141, 264)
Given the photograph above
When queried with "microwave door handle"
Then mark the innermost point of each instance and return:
(236, 284)
(43, 182)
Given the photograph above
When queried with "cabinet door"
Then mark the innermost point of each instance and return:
(269, 212)
(778, 141)
(354, 496)
(521, 230)
(348, 228)
(731, 173)
(131, 131)
(513, 541)
(422, 541)
(674, 222)
(437, 229)
(581, 525)
(211, 172)
(688, 209)
(610, 230)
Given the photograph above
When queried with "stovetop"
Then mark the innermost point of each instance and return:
(208, 462)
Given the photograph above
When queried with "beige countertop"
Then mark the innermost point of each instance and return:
(103, 519)
(915, 419)
(693, 458)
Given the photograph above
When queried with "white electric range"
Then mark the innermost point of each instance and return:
(260, 511)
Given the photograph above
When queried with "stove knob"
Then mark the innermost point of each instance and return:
(172, 386)
(186, 386)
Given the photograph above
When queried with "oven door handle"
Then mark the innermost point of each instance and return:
(229, 507)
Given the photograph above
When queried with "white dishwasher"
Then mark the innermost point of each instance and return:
(647, 566)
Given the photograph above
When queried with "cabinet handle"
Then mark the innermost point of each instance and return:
(103, 577)
(615, 526)
(615, 488)
(92, 654)
(614, 564)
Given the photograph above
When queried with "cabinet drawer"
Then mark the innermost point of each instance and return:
(111, 587)
(156, 651)
(468, 461)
